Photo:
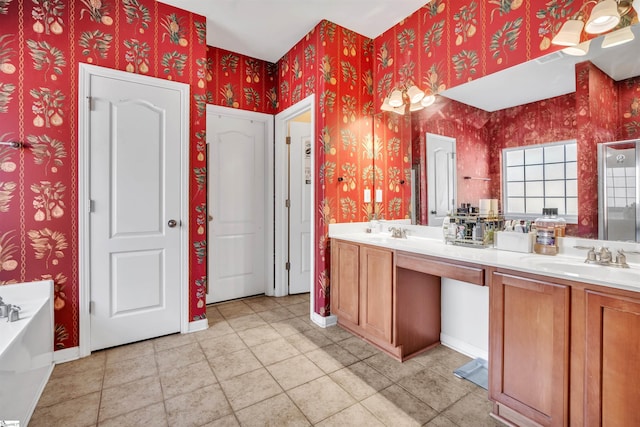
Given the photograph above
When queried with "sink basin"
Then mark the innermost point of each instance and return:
(581, 269)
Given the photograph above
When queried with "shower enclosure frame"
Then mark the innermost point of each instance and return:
(603, 189)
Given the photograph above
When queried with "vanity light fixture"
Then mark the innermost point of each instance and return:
(407, 95)
(604, 17)
(618, 37)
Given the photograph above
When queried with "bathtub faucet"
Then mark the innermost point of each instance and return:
(14, 314)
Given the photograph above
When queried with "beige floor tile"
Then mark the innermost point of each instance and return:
(276, 314)
(250, 388)
(215, 330)
(179, 356)
(259, 304)
(81, 412)
(336, 333)
(277, 411)
(320, 398)
(442, 421)
(299, 309)
(360, 380)
(129, 397)
(152, 415)
(355, 415)
(246, 322)
(197, 407)
(302, 342)
(213, 314)
(70, 387)
(432, 388)
(393, 369)
(331, 358)
(317, 337)
(293, 372)
(259, 335)
(218, 346)
(274, 351)
(186, 379)
(95, 362)
(172, 341)
(130, 351)
(471, 410)
(129, 370)
(287, 327)
(231, 310)
(396, 407)
(359, 347)
(291, 299)
(226, 421)
(231, 365)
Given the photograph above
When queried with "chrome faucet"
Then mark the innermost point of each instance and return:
(398, 232)
(603, 256)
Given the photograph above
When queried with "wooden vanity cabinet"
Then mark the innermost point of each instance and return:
(362, 291)
(612, 359)
(345, 281)
(529, 350)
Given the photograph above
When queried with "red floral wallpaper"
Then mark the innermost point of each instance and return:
(629, 109)
(41, 44)
(239, 81)
(335, 64)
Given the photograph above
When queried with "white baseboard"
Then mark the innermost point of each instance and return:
(198, 325)
(324, 322)
(66, 355)
(463, 347)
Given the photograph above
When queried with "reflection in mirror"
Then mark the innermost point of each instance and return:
(619, 216)
(600, 103)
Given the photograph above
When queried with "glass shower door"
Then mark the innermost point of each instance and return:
(619, 195)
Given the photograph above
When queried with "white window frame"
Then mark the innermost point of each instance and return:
(571, 219)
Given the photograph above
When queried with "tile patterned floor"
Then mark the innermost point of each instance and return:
(262, 362)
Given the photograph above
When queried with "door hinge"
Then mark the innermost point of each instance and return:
(92, 206)
(287, 266)
(90, 102)
(288, 140)
(287, 203)
(92, 307)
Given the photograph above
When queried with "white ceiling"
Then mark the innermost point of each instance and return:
(267, 29)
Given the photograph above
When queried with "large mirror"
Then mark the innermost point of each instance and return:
(538, 102)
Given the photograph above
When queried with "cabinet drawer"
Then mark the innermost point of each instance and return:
(458, 271)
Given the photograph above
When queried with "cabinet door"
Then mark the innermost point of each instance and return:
(376, 297)
(612, 360)
(529, 348)
(345, 281)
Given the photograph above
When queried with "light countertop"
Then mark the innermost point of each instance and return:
(568, 264)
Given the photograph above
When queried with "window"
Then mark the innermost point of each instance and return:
(541, 176)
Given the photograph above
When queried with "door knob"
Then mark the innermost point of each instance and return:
(172, 223)
(434, 212)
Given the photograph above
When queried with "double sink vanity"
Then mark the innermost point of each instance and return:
(562, 336)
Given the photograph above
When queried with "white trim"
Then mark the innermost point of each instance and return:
(66, 355)
(198, 325)
(463, 347)
(281, 243)
(85, 73)
(324, 321)
(267, 119)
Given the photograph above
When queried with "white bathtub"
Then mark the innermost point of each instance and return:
(26, 349)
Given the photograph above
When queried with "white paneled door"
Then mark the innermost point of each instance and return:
(238, 192)
(441, 177)
(300, 181)
(134, 172)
